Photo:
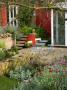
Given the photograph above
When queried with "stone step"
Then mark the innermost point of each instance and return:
(21, 42)
(20, 45)
(19, 48)
(22, 39)
(40, 44)
(43, 41)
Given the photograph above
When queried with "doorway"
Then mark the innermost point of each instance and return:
(59, 27)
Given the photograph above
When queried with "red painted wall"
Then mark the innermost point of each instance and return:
(4, 15)
(43, 19)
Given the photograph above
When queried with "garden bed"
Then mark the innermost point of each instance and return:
(39, 56)
(37, 68)
(34, 76)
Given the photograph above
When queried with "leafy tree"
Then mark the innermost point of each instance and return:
(25, 13)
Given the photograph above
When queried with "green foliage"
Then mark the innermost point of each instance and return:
(2, 44)
(1, 30)
(2, 54)
(27, 45)
(40, 32)
(26, 30)
(9, 53)
(9, 30)
(22, 73)
(44, 82)
(25, 16)
(43, 78)
(14, 49)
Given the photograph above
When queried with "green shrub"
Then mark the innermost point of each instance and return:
(26, 30)
(14, 49)
(2, 54)
(27, 44)
(40, 32)
(48, 78)
(1, 30)
(8, 53)
(43, 82)
(9, 30)
(2, 44)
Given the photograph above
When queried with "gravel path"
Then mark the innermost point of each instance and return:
(44, 55)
